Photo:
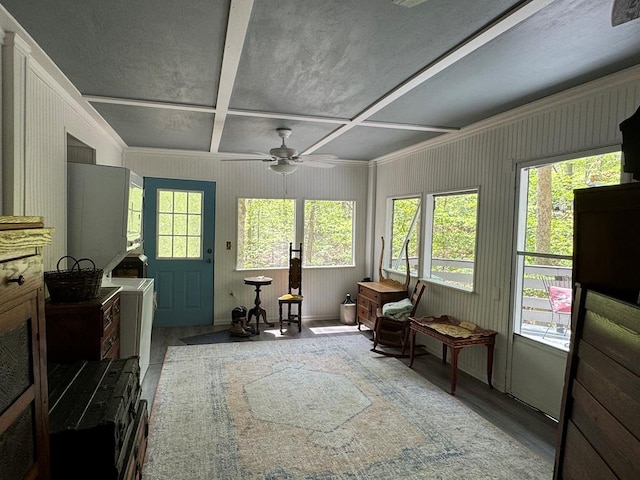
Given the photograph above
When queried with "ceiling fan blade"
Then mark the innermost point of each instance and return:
(624, 11)
(246, 160)
(315, 164)
(314, 157)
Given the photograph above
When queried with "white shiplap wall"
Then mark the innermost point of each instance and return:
(485, 155)
(584, 118)
(323, 288)
(50, 115)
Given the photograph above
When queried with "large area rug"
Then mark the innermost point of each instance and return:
(317, 409)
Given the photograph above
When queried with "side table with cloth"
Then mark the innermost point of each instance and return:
(456, 335)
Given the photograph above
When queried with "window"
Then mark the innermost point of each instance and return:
(405, 227)
(328, 233)
(179, 224)
(452, 242)
(545, 243)
(265, 229)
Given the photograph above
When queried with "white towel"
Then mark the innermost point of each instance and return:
(399, 310)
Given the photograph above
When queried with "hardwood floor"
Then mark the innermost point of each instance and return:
(530, 427)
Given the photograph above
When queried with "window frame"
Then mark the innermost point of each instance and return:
(428, 238)
(294, 225)
(520, 250)
(303, 232)
(387, 259)
(188, 214)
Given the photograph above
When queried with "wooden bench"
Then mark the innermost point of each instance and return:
(456, 335)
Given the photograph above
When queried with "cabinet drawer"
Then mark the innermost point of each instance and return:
(110, 315)
(369, 293)
(109, 341)
(27, 270)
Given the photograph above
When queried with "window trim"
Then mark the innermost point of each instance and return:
(296, 216)
(386, 260)
(428, 238)
(302, 232)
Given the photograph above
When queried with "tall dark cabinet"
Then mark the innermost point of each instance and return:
(606, 247)
(24, 418)
(599, 428)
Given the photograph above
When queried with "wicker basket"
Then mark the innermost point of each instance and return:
(76, 284)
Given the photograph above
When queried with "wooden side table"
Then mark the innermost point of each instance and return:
(456, 335)
(257, 310)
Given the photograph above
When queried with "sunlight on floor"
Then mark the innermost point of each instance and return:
(333, 329)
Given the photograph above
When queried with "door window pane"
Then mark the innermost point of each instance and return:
(179, 224)
(543, 292)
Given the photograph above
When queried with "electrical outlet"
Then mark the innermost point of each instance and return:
(228, 245)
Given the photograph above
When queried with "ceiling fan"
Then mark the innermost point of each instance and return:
(284, 160)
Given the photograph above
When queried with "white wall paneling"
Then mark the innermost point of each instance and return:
(324, 288)
(15, 58)
(484, 155)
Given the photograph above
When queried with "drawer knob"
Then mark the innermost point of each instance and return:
(20, 280)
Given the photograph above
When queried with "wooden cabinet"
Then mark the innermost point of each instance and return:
(88, 330)
(372, 295)
(599, 424)
(606, 238)
(24, 419)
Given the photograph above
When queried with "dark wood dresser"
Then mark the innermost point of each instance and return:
(24, 420)
(606, 245)
(599, 422)
(88, 330)
(97, 419)
(372, 295)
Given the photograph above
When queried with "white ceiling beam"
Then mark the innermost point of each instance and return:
(148, 104)
(408, 126)
(131, 102)
(494, 30)
(239, 16)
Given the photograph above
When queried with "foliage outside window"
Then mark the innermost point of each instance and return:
(179, 224)
(545, 239)
(453, 219)
(405, 226)
(265, 229)
(328, 233)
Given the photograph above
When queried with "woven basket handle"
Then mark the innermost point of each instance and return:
(62, 258)
(93, 265)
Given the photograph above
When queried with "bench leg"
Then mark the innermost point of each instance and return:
(454, 369)
(489, 364)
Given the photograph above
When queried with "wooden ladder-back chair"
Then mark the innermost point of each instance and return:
(394, 333)
(294, 294)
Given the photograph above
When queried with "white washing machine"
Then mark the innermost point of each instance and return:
(136, 318)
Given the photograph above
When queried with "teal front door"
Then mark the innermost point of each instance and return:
(179, 222)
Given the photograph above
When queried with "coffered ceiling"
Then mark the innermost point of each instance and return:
(357, 78)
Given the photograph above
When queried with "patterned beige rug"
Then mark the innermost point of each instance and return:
(317, 409)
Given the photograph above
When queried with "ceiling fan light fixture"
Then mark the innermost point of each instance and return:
(283, 168)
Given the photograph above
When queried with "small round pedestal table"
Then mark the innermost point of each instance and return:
(257, 310)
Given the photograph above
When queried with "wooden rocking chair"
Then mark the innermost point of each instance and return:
(394, 333)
